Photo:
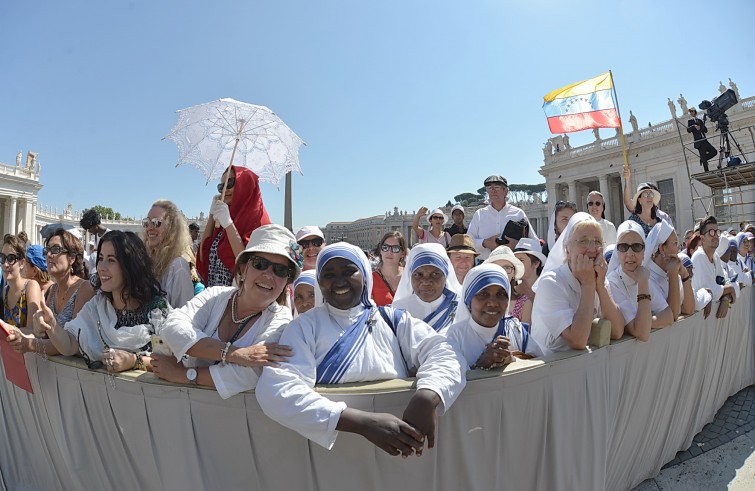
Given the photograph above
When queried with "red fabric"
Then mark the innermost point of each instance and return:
(607, 118)
(380, 292)
(247, 212)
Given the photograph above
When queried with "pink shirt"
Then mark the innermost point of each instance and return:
(428, 238)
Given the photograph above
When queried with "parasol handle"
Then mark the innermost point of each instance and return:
(228, 174)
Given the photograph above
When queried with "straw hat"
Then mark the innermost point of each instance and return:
(503, 253)
(462, 243)
(275, 239)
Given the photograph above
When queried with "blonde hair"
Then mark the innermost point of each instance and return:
(176, 239)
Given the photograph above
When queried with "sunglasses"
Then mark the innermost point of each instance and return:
(313, 242)
(9, 258)
(393, 248)
(647, 194)
(92, 365)
(53, 250)
(156, 222)
(261, 264)
(714, 232)
(231, 183)
(636, 247)
(594, 203)
(436, 217)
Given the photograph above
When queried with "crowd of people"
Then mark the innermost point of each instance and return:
(250, 305)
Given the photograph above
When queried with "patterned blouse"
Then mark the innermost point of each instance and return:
(218, 274)
(16, 316)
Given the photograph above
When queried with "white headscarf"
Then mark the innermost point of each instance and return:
(426, 255)
(552, 223)
(481, 277)
(308, 278)
(625, 228)
(557, 255)
(657, 236)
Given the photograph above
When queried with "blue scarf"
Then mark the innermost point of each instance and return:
(504, 329)
(445, 313)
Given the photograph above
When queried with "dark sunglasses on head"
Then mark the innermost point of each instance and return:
(279, 270)
(53, 250)
(9, 258)
(231, 183)
(393, 248)
(156, 222)
(636, 247)
(304, 243)
(92, 365)
(594, 203)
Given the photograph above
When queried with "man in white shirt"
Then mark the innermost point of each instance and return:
(709, 273)
(488, 223)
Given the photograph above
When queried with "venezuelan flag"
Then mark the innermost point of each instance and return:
(583, 105)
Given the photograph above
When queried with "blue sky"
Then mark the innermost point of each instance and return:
(401, 103)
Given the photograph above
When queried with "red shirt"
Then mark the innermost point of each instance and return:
(381, 294)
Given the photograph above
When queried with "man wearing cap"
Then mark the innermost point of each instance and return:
(311, 240)
(696, 126)
(489, 222)
(457, 215)
(462, 253)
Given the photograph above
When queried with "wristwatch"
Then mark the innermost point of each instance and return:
(191, 374)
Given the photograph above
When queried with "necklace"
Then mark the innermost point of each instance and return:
(65, 293)
(234, 311)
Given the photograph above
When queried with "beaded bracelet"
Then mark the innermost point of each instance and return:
(224, 353)
(643, 296)
(139, 365)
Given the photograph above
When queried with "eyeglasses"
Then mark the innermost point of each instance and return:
(53, 250)
(594, 203)
(9, 258)
(313, 242)
(714, 232)
(231, 183)
(508, 269)
(92, 365)
(261, 264)
(156, 222)
(436, 217)
(587, 243)
(393, 248)
(636, 247)
(647, 194)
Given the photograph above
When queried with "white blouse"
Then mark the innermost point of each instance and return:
(469, 339)
(624, 291)
(176, 283)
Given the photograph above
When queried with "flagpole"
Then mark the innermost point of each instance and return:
(621, 125)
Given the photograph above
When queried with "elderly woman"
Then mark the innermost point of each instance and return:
(349, 339)
(115, 326)
(232, 219)
(435, 234)
(667, 271)
(36, 268)
(562, 212)
(392, 253)
(428, 289)
(646, 201)
(21, 297)
(488, 338)
(596, 207)
(304, 292)
(169, 246)
(641, 302)
(514, 268)
(239, 327)
(573, 290)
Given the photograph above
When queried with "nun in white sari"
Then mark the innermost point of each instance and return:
(744, 275)
(573, 290)
(640, 301)
(349, 339)
(428, 288)
(478, 338)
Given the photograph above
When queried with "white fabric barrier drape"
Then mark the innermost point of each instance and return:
(606, 419)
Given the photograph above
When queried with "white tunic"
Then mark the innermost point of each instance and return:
(742, 277)
(488, 222)
(706, 272)
(199, 319)
(624, 291)
(555, 305)
(609, 232)
(176, 283)
(469, 339)
(285, 393)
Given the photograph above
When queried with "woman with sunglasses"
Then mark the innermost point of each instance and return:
(435, 234)
(641, 302)
(573, 290)
(21, 296)
(232, 219)
(386, 276)
(169, 246)
(596, 207)
(114, 328)
(238, 327)
(646, 201)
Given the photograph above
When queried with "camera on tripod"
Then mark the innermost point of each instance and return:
(716, 110)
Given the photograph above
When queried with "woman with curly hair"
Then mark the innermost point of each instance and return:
(169, 246)
(114, 327)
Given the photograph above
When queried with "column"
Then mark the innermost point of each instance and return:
(573, 191)
(552, 194)
(604, 190)
(33, 222)
(13, 203)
